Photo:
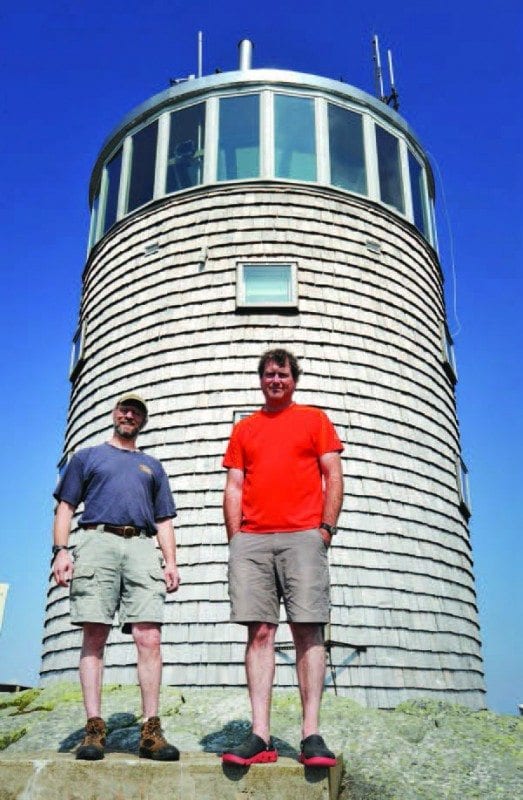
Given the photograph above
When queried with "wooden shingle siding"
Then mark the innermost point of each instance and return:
(368, 334)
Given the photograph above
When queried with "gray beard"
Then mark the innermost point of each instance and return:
(130, 436)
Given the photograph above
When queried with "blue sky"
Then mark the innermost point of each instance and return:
(72, 69)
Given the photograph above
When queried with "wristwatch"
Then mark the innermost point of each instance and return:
(56, 549)
(332, 530)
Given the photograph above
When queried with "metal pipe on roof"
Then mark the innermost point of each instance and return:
(245, 47)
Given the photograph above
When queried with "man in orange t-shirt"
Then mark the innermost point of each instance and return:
(282, 499)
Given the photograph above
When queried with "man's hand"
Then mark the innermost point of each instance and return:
(327, 538)
(63, 568)
(171, 577)
(167, 542)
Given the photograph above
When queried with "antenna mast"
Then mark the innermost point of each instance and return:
(391, 99)
(377, 67)
(200, 54)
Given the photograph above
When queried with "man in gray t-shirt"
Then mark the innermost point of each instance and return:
(127, 506)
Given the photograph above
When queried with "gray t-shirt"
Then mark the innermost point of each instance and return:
(117, 487)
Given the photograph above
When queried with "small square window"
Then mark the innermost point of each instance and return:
(266, 286)
(77, 351)
(463, 488)
(449, 356)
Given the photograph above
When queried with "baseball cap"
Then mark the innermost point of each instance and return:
(132, 399)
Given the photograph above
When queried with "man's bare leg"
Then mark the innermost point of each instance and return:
(259, 665)
(147, 637)
(310, 667)
(91, 666)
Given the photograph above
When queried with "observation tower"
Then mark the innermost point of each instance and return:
(260, 207)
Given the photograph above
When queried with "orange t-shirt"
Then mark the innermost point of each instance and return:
(278, 454)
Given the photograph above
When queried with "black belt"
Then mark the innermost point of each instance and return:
(127, 531)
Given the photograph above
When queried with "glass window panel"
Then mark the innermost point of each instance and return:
(294, 138)
(389, 169)
(239, 138)
(419, 200)
(77, 351)
(449, 356)
(141, 185)
(94, 219)
(464, 488)
(267, 284)
(347, 157)
(113, 171)
(186, 141)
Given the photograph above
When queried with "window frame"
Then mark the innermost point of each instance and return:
(312, 97)
(329, 150)
(242, 303)
(201, 153)
(219, 140)
(400, 168)
(462, 476)
(448, 353)
(321, 100)
(77, 357)
(131, 174)
(102, 228)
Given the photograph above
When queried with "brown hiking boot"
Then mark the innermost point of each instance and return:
(92, 747)
(153, 743)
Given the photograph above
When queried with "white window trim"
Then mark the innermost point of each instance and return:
(102, 202)
(322, 141)
(125, 178)
(210, 162)
(370, 152)
(162, 148)
(267, 97)
(240, 284)
(266, 134)
(405, 179)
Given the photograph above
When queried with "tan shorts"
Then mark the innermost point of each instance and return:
(265, 567)
(116, 574)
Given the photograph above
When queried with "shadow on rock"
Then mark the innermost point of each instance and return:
(231, 735)
(123, 735)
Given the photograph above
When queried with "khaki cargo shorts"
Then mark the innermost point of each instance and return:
(265, 567)
(116, 574)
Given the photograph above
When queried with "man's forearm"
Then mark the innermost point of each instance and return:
(62, 523)
(62, 563)
(167, 540)
(333, 499)
(232, 502)
(232, 511)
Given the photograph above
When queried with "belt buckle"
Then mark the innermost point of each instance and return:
(127, 531)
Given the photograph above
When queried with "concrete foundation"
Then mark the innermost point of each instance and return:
(197, 776)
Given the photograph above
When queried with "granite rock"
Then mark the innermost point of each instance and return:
(423, 750)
